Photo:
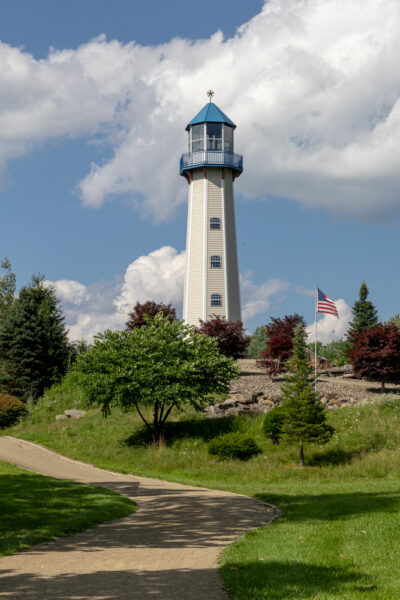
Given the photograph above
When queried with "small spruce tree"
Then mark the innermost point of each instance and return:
(304, 416)
(34, 348)
(365, 315)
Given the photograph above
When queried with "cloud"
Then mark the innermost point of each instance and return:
(329, 327)
(256, 298)
(157, 276)
(314, 87)
(105, 305)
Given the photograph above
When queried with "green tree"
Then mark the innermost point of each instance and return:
(395, 320)
(34, 348)
(258, 340)
(337, 351)
(365, 315)
(304, 416)
(7, 289)
(154, 369)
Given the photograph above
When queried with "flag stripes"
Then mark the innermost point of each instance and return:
(326, 305)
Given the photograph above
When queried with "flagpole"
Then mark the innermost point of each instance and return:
(315, 353)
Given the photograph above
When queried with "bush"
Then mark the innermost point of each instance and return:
(231, 337)
(11, 409)
(272, 425)
(234, 445)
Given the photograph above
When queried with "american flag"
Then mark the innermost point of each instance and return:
(326, 305)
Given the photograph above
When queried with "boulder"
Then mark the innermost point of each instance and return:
(74, 413)
(61, 417)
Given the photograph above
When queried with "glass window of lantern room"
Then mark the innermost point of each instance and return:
(228, 138)
(214, 136)
(197, 137)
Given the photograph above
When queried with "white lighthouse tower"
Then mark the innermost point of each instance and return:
(210, 168)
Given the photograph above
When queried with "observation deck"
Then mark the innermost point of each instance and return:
(211, 158)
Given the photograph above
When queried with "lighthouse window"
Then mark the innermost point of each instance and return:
(197, 137)
(215, 223)
(215, 262)
(216, 300)
(214, 136)
(228, 138)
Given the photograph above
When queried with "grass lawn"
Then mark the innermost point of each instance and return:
(35, 508)
(338, 535)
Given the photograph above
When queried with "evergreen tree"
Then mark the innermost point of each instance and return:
(34, 348)
(304, 416)
(365, 315)
(7, 289)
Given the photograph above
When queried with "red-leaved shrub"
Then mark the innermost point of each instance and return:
(11, 409)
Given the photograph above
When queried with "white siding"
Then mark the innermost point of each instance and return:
(211, 198)
(231, 250)
(195, 261)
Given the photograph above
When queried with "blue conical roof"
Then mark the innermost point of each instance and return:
(212, 114)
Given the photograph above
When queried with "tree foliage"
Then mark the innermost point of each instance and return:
(376, 353)
(231, 337)
(395, 320)
(304, 417)
(279, 334)
(151, 309)
(365, 315)
(258, 340)
(7, 289)
(33, 342)
(337, 351)
(156, 368)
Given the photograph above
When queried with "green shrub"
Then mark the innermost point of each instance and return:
(272, 425)
(234, 445)
(11, 409)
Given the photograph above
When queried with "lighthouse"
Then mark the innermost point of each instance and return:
(210, 167)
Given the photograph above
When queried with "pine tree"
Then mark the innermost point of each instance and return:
(34, 348)
(365, 315)
(304, 416)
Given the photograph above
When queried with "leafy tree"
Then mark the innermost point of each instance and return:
(33, 342)
(304, 415)
(161, 366)
(365, 315)
(337, 351)
(231, 337)
(376, 354)
(75, 348)
(7, 289)
(258, 340)
(395, 320)
(279, 333)
(151, 309)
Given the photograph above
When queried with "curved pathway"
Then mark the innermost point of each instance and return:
(167, 550)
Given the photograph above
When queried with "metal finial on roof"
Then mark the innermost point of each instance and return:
(210, 94)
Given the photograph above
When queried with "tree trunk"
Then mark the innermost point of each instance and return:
(382, 386)
(301, 454)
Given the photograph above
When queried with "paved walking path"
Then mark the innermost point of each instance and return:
(167, 550)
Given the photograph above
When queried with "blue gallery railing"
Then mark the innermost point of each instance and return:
(210, 158)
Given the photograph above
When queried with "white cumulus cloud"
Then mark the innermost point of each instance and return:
(157, 276)
(256, 297)
(314, 87)
(105, 305)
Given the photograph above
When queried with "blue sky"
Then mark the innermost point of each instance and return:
(91, 133)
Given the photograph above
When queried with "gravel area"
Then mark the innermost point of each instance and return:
(336, 391)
